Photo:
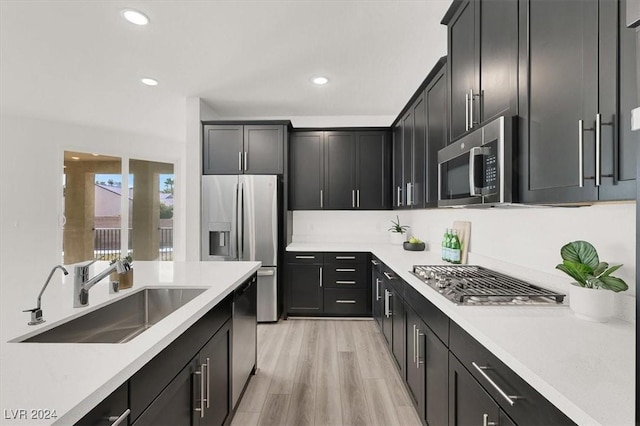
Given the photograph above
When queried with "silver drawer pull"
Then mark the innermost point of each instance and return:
(375, 262)
(345, 270)
(345, 257)
(389, 277)
(305, 257)
(119, 419)
(510, 398)
(345, 282)
(346, 301)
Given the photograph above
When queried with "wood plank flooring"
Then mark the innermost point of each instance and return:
(324, 372)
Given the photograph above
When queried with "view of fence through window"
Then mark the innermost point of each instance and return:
(93, 200)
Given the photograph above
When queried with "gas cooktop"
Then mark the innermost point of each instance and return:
(475, 285)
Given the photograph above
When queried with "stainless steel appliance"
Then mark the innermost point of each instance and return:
(475, 285)
(240, 222)
(244, 337)
(478, 169)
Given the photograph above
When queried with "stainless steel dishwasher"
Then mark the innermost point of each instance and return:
(244, 340)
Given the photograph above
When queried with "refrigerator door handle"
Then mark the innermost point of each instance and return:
(240, 221)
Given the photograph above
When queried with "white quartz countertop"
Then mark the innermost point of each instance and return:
(72, 378)
(586, 369)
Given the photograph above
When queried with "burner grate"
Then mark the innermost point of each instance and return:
(475, 284)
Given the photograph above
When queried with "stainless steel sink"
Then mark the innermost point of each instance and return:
(120, 321)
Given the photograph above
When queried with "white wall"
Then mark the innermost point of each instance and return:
(31, 160)
(527, 237)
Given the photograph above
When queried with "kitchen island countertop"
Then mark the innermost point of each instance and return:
(586, 369)
(72, 378)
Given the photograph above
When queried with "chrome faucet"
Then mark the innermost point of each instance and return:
(82, 284)
(36, 313)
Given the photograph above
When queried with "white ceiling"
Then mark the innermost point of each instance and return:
(79, 61)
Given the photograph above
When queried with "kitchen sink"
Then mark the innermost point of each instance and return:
(120, 321)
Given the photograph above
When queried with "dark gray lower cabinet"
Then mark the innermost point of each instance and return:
(416, 369)
(305, 289)
(398, 346)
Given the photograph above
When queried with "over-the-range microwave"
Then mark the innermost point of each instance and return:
(478, 169)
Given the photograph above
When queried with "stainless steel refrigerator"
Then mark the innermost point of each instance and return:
(240, 222)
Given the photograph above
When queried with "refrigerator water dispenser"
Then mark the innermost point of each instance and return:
(220, 239)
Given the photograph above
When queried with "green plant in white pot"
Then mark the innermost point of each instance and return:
(591, 296)
(398, 232)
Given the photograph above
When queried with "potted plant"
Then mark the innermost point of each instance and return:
(591, 295)
(397, 232)
(125, 279)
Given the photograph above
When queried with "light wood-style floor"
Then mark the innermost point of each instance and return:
(324, 372)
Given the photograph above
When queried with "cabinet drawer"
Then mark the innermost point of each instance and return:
(345, 257)
(344, 276)
(345, 301)
(530, 408)
(304, 257)
(115, 405)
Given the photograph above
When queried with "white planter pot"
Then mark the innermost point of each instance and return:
(591, 304)
(397, 239)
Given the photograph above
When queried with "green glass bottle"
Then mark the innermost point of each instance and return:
(445, 244)
(456, 248)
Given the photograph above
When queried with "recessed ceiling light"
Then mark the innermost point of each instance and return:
(96, 155)
(320, 80)
(149, 81)
(75, 158)
(135, 17)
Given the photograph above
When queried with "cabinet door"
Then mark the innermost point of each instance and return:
(498, 59)
(305, 288)
(306, 166)
(175, 406)
(377, 294)
(469, 404)
(373, 170)
(223, 149)
(416, 377)
(436, 101)
(387, 318)
(215, 379)
(399, 331)
(463, 36)
(339, 170)
(418, 154)
(436, 362)
(563, 89)
(618, 81)
(264, 148)
(397, 192)
(111, 408)
(407, 159)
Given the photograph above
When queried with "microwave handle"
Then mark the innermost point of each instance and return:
(473, 153)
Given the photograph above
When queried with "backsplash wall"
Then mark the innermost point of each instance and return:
(530, 237)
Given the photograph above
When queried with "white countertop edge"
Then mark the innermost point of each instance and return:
(383, 252)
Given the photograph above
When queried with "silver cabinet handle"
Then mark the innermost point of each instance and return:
(321, 200)
(119, 419)
(345, 270)
(208, 365)
(486, 422)
(321, 276)
(346, 282)
(245, 161)
(377, 289)
(357, 198)
(598, 149)
(418, 334)
(466, 112)
(415, 344)
(399, 196)
(509, 398)
(346, 258)
(580, 153)
(350, 302)
(305, 257)
(471, 122)
(353, 198)
(409, 194)
(374, 262)
(389, 277)
(240, 161)
(202, 390)
(387, 311)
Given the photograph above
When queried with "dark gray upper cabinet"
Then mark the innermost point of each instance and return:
(339, 170)
(483, 58)
(237, 149)
(573, 144)
(436, 103)
(418, 134)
